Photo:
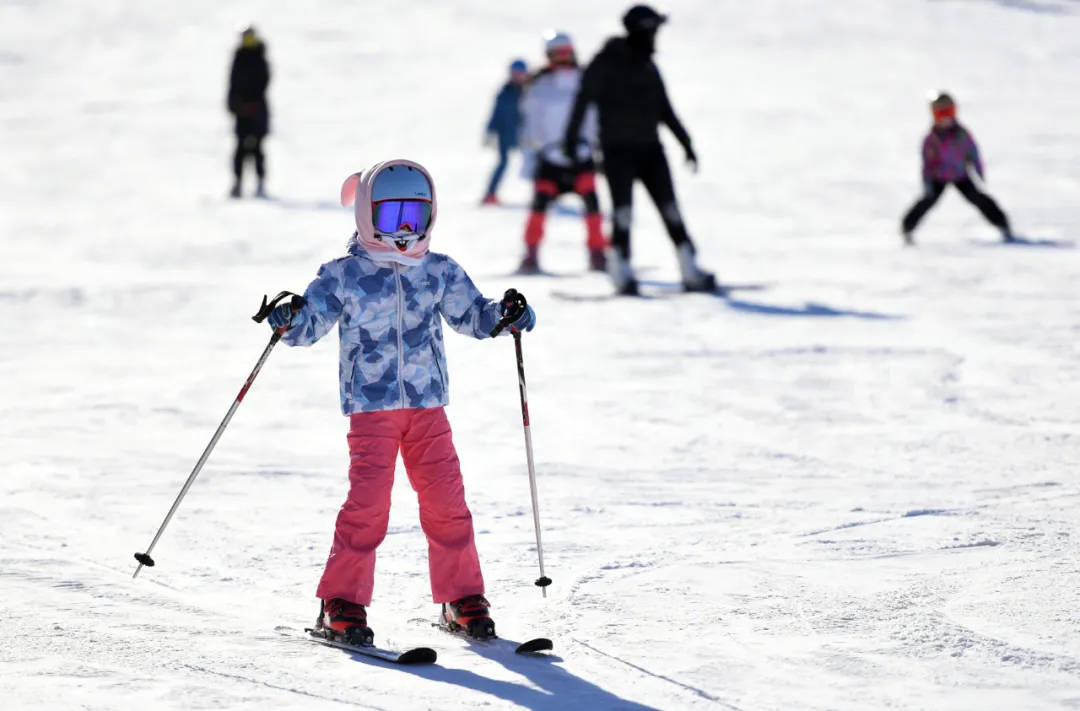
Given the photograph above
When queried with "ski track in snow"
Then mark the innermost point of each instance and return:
(850, 483)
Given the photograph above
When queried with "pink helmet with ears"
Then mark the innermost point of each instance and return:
(395, 208)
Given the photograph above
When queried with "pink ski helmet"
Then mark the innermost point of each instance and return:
(394, 206)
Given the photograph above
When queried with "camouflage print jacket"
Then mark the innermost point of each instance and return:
(392, 354)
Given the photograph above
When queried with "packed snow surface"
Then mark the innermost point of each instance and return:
(850, 484)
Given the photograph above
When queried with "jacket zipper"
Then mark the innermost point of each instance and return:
(400, 337)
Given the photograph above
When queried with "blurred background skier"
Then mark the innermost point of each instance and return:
(248, 79)
(947, 151)
(626, 86)
(502, 128)
(546, 108)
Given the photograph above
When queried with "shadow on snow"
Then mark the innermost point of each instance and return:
(558, 688)
(1018, 241)
(809, 308)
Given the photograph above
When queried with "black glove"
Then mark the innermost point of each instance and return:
(281, 317)
(691, 158)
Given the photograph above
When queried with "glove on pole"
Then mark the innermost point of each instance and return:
(513, 305)
(297, 303)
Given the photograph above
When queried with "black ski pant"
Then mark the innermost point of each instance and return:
(625, 162)
(981, 200)
(249, 144)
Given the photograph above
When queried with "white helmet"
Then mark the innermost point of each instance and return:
(394, 206)
(556, 40)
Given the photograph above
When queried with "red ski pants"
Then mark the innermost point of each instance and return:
(424, 439)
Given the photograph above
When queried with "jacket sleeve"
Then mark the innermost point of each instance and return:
(588, 93)
(325, 297)
(463, 306)
(230, 97)
(495, 110)
(667, 115)
(264, 79)
(972, 155)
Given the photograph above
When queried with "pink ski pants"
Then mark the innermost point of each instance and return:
(423, 436)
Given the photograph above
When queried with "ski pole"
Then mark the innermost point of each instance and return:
(513, 306)
(297, 303)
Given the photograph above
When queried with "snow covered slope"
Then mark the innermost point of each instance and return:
(852, 484)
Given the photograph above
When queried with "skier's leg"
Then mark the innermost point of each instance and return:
(435, 474)
(260, 159)
(500, 168)
(585, 186)
(656, 175)
(986, 204)
(238, 164)
(260, 163)
(374, 440)
(545, 189)
(620, 167)
(931, 192)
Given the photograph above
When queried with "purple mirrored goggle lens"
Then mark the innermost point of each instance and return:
(390, 216)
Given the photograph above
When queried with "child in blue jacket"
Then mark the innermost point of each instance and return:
(505, 121)
(389, 296)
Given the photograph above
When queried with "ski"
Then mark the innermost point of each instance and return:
(532, 646)
(417, 655)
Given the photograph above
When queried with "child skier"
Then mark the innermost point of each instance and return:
(947, 151)
(546, 108)
(387, 295)
(502, 127)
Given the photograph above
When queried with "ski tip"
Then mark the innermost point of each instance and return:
(540, 644)
(419, 655)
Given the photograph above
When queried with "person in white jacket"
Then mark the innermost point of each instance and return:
(546, 109)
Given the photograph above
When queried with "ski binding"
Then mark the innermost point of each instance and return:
(417, 655)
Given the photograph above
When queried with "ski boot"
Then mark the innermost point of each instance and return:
(490, 199)
(597, 260)
(694, 278)
(471, 615)
(909, 238)
(260, 190)
(345, 620)
(235, 192)
(622, 276)
(530, 263)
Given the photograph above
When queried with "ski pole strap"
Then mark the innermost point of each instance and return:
(296, 303)
(513, 305)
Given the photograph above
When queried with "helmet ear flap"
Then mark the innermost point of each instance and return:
(348, 189)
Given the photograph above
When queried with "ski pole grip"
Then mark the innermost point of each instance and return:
(297, 302)
(513, 304)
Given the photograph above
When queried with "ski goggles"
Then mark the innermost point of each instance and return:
(944, 112)
(390, 216)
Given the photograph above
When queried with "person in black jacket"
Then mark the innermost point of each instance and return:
(248, 80)
(627, 89)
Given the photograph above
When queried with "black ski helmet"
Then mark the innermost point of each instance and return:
(941, 100)
(642, 18)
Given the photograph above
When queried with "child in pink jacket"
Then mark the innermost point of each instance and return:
(947, 152)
